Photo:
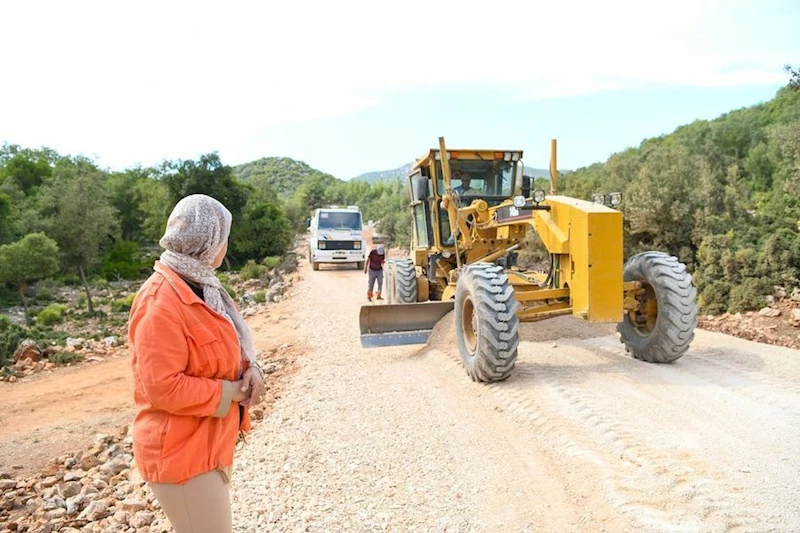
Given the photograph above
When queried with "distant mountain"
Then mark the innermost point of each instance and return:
(286, 175)
(385, 175)
(536, 172)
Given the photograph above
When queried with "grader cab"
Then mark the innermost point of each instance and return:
(471, 212)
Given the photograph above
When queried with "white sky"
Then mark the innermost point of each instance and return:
(145, 81)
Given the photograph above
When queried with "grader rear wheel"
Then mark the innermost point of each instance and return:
(401, 282)
(661, 330)
(487, 326)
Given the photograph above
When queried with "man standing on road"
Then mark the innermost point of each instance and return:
(374, 269)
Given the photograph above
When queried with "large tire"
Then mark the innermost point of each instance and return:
(405, 281)
(360, 265)
(487, 327)
(401, 281)
(314, 265)
(665, 337)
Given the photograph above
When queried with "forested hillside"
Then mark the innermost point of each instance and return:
(283, 174)
(385, 175)
(721, 194)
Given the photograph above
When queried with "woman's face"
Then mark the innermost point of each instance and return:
(220, 256)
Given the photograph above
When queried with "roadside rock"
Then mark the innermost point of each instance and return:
(94, 490)
(132, 505)
(75, 344)
(110, 342)
(141, 519)
(27, 350)
(770, 312)
(95, 510)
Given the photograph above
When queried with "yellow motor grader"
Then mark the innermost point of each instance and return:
(471, 212)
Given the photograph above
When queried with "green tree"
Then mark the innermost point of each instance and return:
(312, 194)
(264, 230)
(794, 81)
(78, 214)
(207, 176)
(126, 196)
(32, 258)
(661, 202)
(5, 218)
(27, 168)
(155, 205)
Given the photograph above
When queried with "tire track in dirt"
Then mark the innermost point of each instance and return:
(713, 366)
(684, 493)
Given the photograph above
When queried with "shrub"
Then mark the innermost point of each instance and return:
(750, 294)
(10, 336)
(124, 261)
(713, 297)
(44, 294)
(51, 314)
(260, 297)
(230, 290)
(82, 301)
(65, 358)
(252, 270)
(272, 261)
(123, 304)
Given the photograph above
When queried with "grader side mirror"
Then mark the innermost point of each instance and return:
(526, 186)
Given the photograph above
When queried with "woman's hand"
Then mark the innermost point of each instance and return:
(240, 392)
(253, 381)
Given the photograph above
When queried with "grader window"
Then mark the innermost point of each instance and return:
(444, 229)
(480, 178)
(421, 225)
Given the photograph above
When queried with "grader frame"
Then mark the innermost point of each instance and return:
(463, 257)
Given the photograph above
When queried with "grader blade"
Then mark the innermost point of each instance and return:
(396, 325)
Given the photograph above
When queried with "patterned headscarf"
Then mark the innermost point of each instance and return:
(197, 230)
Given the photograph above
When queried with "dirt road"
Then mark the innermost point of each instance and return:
(580, 438)
(51, 414)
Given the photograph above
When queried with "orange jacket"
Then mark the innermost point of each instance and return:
(185, 358)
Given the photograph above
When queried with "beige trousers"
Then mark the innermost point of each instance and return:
(201, 505)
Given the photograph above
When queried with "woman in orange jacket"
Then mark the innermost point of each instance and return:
(194, 370)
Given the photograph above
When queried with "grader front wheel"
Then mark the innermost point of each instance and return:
(487, 326)
(662, 327)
